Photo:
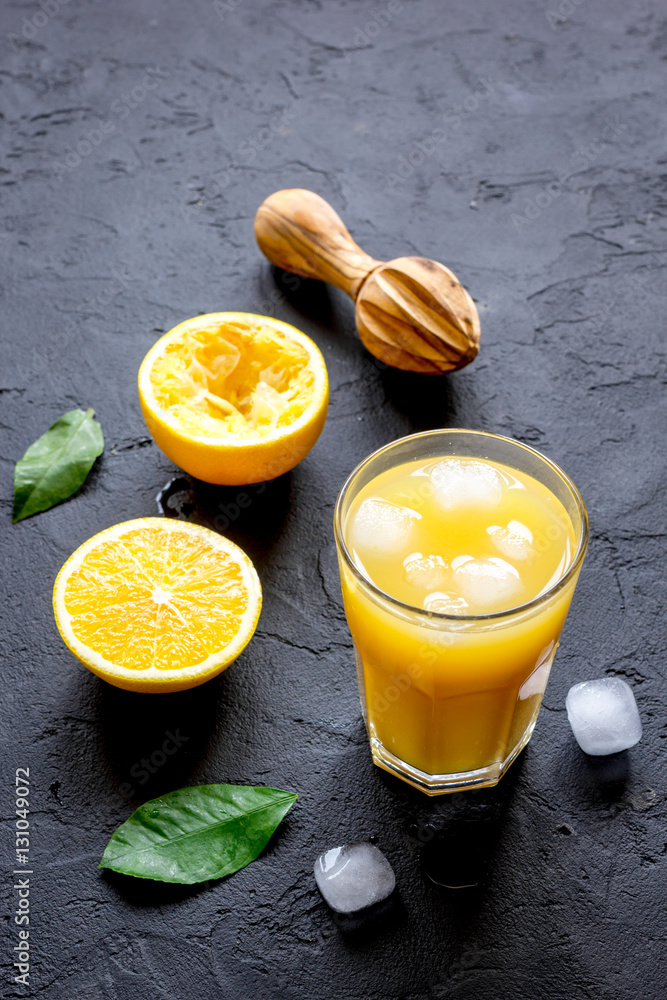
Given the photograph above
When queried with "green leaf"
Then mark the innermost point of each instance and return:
(197, 833)
(57, 464)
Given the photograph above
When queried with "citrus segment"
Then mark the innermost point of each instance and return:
(234, 398)
(157, 604)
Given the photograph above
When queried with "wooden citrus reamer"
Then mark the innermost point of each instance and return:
(412, 313)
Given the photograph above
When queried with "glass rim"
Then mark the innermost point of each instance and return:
(435, 616)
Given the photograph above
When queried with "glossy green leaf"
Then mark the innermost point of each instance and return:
(197, 833)
(57, 464)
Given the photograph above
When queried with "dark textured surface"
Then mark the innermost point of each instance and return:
(541, 183)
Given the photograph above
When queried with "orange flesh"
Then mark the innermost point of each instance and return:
(156, 599)
(238, 379)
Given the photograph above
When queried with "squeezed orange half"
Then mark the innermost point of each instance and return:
(234, 398)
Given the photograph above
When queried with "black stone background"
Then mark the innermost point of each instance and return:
(545, 194)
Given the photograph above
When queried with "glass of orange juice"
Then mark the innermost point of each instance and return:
(459, 552)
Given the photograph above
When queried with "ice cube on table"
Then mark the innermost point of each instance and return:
(604, 716)
(381, 526)
(353, 877)
(428, 572)
(514, 541)
(459, 483)
(488, 584)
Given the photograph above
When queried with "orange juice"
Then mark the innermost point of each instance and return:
(456, 578)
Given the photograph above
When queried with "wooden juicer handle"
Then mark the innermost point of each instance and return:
(412, 313)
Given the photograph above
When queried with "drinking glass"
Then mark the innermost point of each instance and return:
(449, 701)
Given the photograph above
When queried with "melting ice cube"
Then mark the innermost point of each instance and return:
(445, 604)
(604, 716)
(514, 541)
(457, 483)
(353, 877)
(381, 526)
(428, 572)
(491, 584)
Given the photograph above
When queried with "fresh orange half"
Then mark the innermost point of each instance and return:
(234, 398)
(157, 604)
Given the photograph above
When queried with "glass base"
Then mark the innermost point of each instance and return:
(442, 784)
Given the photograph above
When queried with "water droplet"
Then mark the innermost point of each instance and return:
(176, 498)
